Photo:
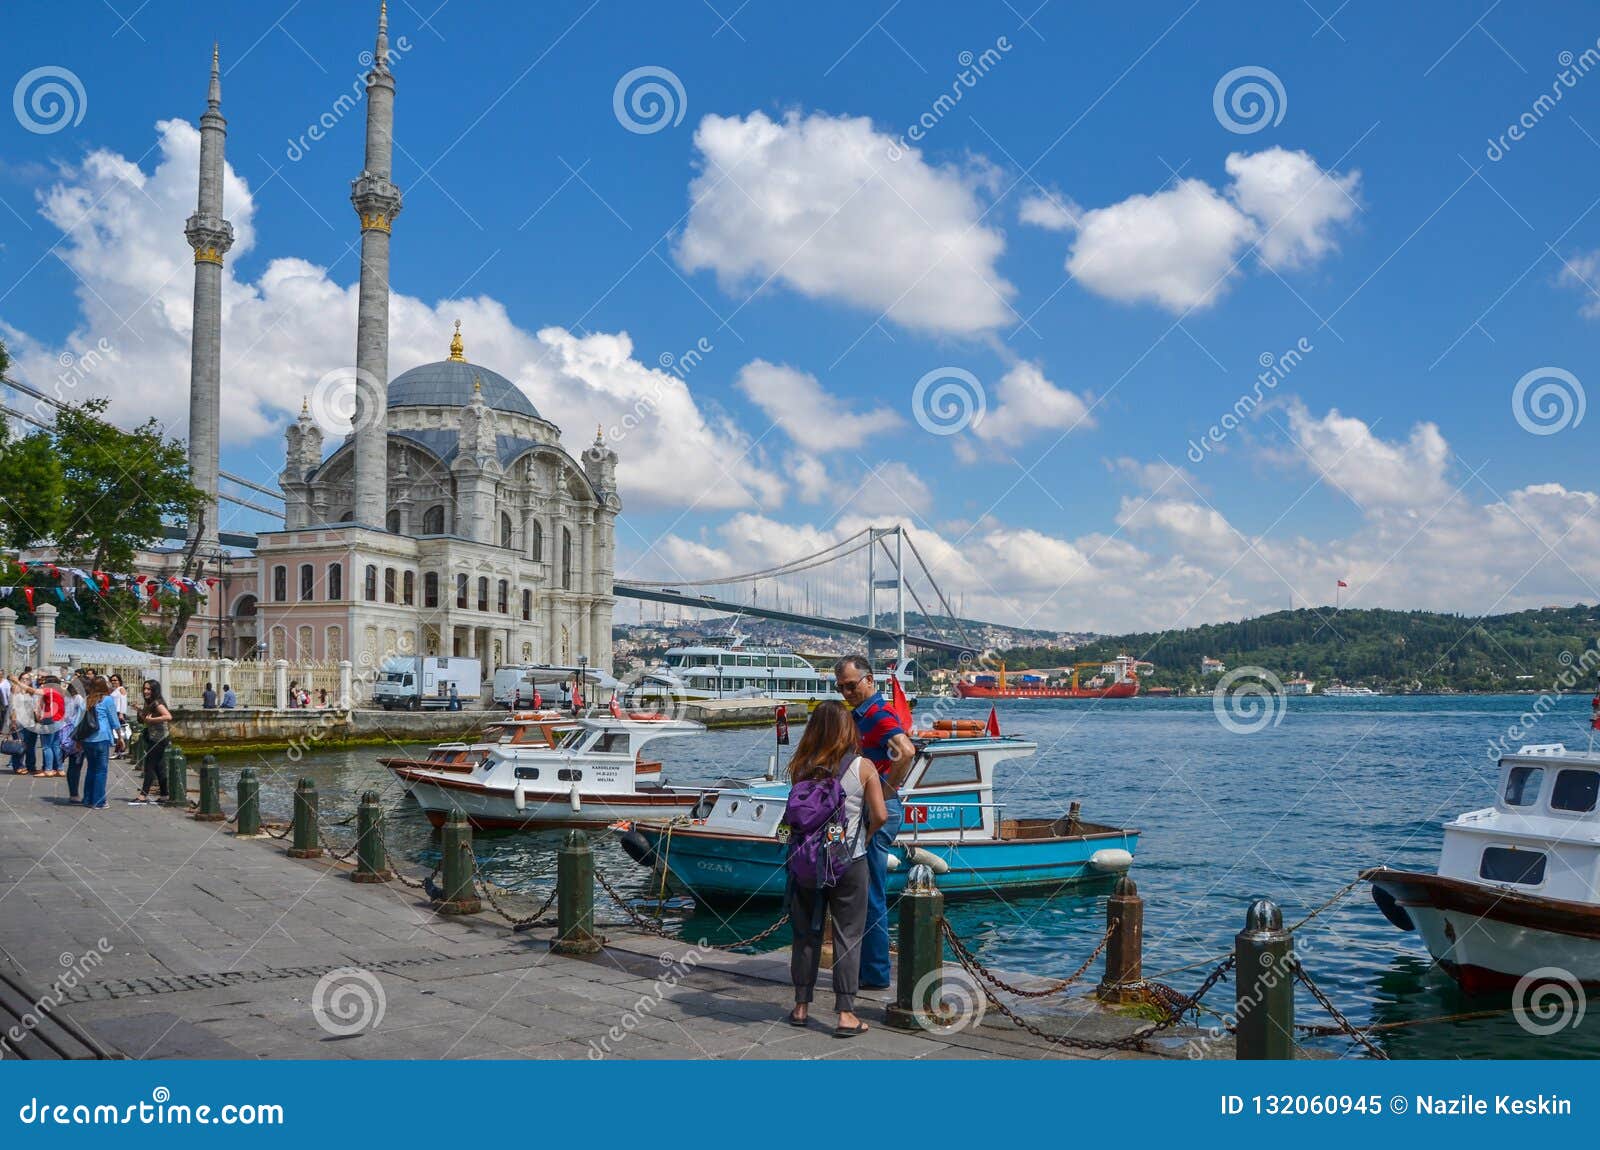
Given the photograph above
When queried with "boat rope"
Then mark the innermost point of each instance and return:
(651, 926)
(1345, 1026)
(1337, 897)
(1056, 987)
(1328, 1029)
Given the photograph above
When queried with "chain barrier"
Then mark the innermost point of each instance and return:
(288, 829)
(650, 926)
(486, 890)
(1338, 897)
(1056, 987)
(336, 855)
(1345, 1026)
(418, 884)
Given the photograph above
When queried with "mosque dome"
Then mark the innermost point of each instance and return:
(449, 383)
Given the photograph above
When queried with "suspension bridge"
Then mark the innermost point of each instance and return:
(824, 589)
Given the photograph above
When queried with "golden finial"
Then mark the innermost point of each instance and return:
(458, 351)
(305, 405)
(477, 386)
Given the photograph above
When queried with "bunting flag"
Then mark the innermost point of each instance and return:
(27, 593)
(61, 594)
(23, 567)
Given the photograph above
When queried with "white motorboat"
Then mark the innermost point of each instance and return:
(592, 773)
(1516, 888)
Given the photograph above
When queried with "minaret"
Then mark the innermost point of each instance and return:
(377, 202)
(210, 236)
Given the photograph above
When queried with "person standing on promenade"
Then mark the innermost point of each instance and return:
(50, 714)
(827, 752)
(154, 717)
(886, 745)
(23, 725)
(99, 733)
(71, 749)
(119, 699)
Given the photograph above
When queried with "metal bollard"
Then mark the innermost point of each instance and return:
(372, 862)
(1124, 977)
(210, 792)
(177, 777)
(305, 838)
(919, 983)
(459, 896)
(249, 822)
(1264, 977)
(575, 897)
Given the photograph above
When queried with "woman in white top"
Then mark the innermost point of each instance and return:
(829, 747)
(119, 696)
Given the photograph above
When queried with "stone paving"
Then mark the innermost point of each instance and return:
(184, 942)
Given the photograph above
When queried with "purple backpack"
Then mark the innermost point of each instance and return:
(818, 851)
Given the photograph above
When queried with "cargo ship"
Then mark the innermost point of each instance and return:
(1113, 679)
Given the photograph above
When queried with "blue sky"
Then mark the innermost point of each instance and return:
(1366, 222)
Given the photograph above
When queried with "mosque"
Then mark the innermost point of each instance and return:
(450, 520)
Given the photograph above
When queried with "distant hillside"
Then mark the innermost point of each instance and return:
(1393, 649)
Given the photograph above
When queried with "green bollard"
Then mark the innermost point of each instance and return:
(459, 897)
(210, 792)
(575, 897)
(305, 841)
(919, 984)
(1124, 977)
(177, 777)
(249, 822)
(372, 863)
(1264, 978)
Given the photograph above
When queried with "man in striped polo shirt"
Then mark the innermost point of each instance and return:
(886, 745)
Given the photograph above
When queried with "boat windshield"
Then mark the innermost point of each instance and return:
(1575, 790)
(1523, 785)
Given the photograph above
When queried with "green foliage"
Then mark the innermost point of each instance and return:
(31, 490)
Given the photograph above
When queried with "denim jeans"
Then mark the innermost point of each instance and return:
(30, 744)
(97, 756)
(875, 968)
(74, 773)
(50, 750)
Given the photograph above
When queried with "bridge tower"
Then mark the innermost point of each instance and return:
(897, 583)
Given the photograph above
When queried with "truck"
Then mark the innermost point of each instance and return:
(413, 682)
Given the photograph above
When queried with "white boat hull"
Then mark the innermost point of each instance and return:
(493, 808)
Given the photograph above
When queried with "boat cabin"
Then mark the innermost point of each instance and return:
(1542, 836)
(597, 753)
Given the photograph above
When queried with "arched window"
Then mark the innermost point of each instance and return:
(505, 529)
(433, 520)
(566, 558)
(408, 588)
(430, 589)
(348, 517)
(536, 548)
(304, 648)
(388, 584)
(334, 640)
(391, 521)
(335, 582)
(501, 601)
(483, 592)
(370, 590)
(527, 604)
(245, 607)
(280, 584)
(461, 590)
(308, 582)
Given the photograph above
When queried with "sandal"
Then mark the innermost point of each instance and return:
(850, 1031)
(796, 1020)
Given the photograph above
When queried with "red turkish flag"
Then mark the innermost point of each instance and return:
(899, 704)
(994, 723)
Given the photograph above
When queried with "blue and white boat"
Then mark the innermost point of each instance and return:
(734, 847)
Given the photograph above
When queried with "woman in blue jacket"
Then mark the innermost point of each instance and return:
(101, 709)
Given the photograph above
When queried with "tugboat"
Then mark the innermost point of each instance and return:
(1515, 891)
(1114, 679)
(738, 849)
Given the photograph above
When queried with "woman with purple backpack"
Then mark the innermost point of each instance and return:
(835, 805)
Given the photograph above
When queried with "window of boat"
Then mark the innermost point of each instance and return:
(1504, 864)
(527, 772)
(574, 737)
(1522, 786)
(570, 775)
(1575, 790)
(942, 769)
(613, 743)
(674, 660)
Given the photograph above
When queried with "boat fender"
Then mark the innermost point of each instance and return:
(519, 795)
(1110, 860)
(933, 862)
(893, 860)
(637, 847)
(573, 800)
(1391, 909)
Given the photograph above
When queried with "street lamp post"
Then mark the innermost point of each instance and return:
(771, 690)
(583, 674)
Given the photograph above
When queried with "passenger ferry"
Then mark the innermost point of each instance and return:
(1340, 691)
(732, 669)
(1515, 890)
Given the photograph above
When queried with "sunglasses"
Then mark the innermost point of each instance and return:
(851, 685)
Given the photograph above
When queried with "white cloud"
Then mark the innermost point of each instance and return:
(1582, 272)
(282, 332)
(1026, 404)
(1373, 471)
(1155, 476)
(1295, 202)
(815, 203)
(811, 416)
(1049, 210)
